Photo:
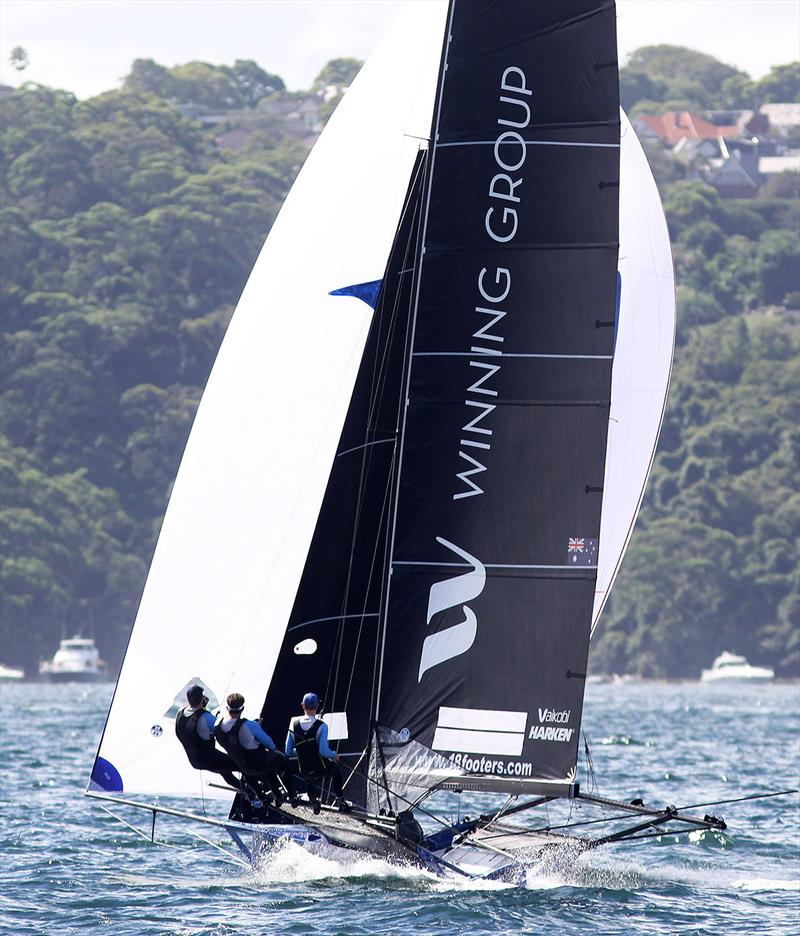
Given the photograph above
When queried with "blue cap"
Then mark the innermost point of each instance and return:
(311, 700)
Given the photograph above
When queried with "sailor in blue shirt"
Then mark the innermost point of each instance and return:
(307, 740)
(194, 726)
(253, 751)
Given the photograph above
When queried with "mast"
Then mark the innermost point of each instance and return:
(496, 518)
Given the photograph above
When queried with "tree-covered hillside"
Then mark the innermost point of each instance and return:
(128, 231)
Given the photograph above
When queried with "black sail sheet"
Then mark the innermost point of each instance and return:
(494, 552)
(331, 643)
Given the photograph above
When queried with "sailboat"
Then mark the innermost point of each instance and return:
(422, 449)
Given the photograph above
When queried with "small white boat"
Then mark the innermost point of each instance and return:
(730, 667)
(76, 660)
(11, 673)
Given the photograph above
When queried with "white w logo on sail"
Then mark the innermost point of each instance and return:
(457, 639)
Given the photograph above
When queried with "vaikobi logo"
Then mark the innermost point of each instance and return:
(546, 730)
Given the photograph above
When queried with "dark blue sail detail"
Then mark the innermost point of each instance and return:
(616, 308)
(367, 292)
(105, 777)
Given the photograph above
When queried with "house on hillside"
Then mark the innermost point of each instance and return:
(737, 175)
(774, 165)
(784, 121)
(749, 123)
(679, 125)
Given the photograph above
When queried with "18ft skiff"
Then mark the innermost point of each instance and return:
(421, 452)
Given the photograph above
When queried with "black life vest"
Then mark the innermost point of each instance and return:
(309, 759)
(199, 750)
(248, 760)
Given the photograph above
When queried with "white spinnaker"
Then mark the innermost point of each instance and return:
(250, 486)
(645, 342)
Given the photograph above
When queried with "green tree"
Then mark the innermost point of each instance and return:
(781, 85)
(339, 72)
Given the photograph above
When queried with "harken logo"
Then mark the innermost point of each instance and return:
(455, 640)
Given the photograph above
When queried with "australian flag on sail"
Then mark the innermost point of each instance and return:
(582, 551)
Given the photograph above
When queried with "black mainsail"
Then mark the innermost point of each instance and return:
(501, 457)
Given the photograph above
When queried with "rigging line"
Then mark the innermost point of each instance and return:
(430, 163)
(333, 617)
(654, 815)
(413, 248)
(399, 796)
(739, 799)
(377, 392)
(386, 492)
(364, 445)
(380, 538)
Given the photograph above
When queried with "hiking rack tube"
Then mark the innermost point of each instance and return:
(154, 808)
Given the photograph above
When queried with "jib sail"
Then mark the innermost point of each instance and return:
(496, 523)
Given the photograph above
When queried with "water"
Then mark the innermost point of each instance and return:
(70, 868)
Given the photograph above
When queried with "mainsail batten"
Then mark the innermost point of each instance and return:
(523, 238)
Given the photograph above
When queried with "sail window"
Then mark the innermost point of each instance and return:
(306, 647)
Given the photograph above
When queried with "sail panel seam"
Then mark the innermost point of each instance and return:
(507, 354)
(528, 143)
(489, 565)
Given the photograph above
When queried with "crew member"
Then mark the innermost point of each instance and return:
(194, 727)
(253, 751)
(307, 740)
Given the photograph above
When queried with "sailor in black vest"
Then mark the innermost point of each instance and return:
(194, 727)
(253, 751)
(307, 740)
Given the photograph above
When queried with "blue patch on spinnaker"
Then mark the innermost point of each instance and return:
(616, 308)
(105, 777)
(367, 292)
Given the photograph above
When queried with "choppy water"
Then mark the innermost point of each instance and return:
(69, 868)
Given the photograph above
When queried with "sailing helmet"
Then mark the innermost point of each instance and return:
(311, 700)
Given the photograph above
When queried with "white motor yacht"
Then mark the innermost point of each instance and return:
(730, 667)
(11, 673)
(76, 660)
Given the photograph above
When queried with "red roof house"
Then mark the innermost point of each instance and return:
(680, 125)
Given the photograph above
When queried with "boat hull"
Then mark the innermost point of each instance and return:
(65, 677)
(738, 679)
(332, 831)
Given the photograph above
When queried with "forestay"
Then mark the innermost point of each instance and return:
(246, 500)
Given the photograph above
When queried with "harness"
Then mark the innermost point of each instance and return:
(198, 750)
(247, 760)
(309, 759)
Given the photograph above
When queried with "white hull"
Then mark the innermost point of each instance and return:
(731, 668)
(78, 676)
(744, 674)
(11, 674)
